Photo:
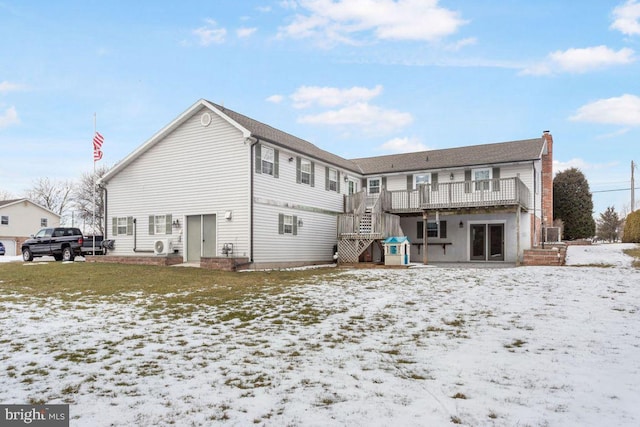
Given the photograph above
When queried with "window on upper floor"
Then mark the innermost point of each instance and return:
(373, 185)
(332, 180)
(267, 156)
(305, 171)
(421, 180)
(482, 179)
(44, 222)
(4, 220)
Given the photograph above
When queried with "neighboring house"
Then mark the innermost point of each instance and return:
(216, 184)
(19, 219)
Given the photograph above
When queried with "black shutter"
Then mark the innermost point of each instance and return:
(326, 178)
(496, 179)
(409, 182)
(313, 174)
(295, 225)
(114, 226)
(443, 229)
(129, 226)
(298, 170)
(151, 225)
(276, 163)
(434, 182)
(467, 181)
(280, 223)
(258, 157)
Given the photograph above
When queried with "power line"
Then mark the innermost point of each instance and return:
(617, 189)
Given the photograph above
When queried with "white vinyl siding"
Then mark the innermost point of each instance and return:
(193, 170)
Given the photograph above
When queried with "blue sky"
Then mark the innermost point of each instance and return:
(355, 77)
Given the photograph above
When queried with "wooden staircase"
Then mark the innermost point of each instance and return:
(366, 223)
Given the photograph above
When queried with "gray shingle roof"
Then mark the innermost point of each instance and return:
(270, 134)
(486, 154)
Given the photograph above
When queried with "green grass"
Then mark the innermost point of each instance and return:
(180, 289)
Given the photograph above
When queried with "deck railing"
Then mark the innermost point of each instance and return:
(464, 194)
(374, 226)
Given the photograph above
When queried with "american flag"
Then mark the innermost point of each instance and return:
(97, 146)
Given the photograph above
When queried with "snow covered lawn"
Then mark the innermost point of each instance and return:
(521, 346)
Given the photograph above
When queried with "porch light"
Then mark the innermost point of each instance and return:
(451, 177)
(300, 223)
(461, 225)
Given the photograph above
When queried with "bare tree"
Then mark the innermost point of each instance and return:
(84, 202)
(53, 195)
(5, 195)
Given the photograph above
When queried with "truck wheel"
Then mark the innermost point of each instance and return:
(67, 254)
(27, 255)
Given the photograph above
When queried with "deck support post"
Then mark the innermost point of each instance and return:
(425, 216)
(518, 236)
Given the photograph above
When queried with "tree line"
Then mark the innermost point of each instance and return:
(73, 200)
(573, 210)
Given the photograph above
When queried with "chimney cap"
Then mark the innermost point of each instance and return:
(545, 132)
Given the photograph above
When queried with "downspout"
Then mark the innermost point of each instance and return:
(535, 190)
(254, 142)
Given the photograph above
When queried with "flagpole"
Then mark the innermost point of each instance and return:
(95, 129)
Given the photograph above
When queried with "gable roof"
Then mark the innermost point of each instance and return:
(486, 154)
(475, 155)
(6, 203)
(275, 136)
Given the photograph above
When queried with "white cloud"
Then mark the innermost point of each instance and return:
(9, 117)
(6, 86)
(209, 33)
(307, 96)
(403, 145)
(622, 110)
(627, 18)
(276, 99)
(245, 32)
(369, 118)
(581, 60)
(340, 21)
(456, 46)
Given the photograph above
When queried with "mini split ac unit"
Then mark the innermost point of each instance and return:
(162, 247)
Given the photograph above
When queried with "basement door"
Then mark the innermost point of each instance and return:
(201, 237)
(487, 242)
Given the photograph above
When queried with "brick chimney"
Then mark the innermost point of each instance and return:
(547, 181)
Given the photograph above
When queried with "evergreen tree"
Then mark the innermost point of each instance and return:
(632, 228)
(573, 204)
(608, 225)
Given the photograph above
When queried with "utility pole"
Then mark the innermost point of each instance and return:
(633, 186)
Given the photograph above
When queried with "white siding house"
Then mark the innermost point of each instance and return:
(19, 219)
(214, 184)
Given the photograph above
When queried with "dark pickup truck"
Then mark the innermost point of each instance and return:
(63, 243)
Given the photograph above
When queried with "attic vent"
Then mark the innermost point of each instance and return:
(205, 119)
